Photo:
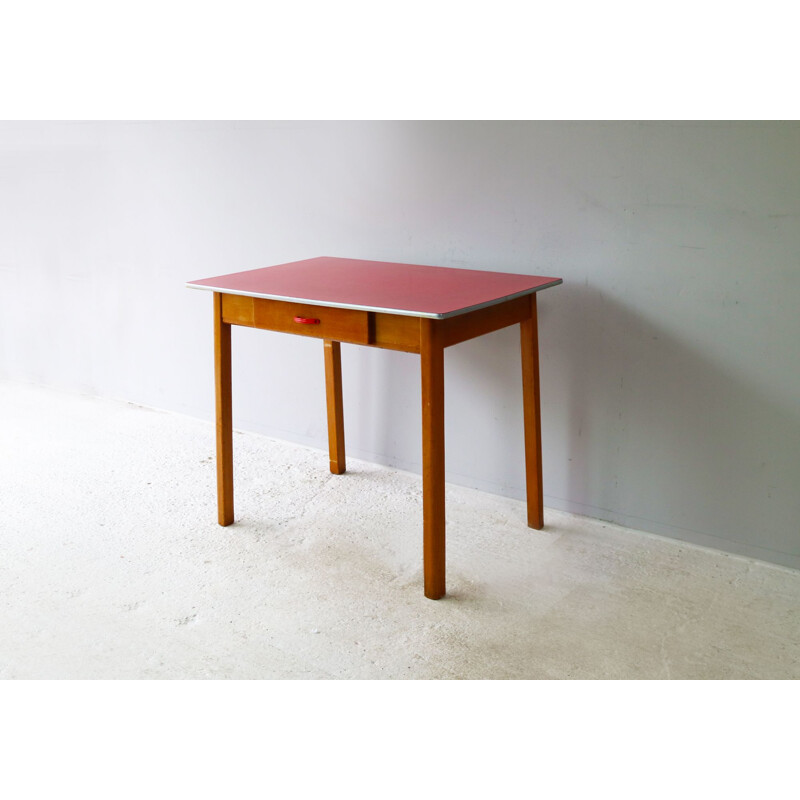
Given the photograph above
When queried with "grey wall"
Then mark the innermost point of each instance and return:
(670, 369)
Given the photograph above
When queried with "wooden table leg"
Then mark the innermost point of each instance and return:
(529, 339)
(433, 509)
(222, 375)
(333, 393)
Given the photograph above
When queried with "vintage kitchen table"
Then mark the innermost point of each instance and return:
(408, 307)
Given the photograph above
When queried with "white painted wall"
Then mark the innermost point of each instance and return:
(670, 365)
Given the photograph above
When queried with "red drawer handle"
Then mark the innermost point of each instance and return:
(306, 320)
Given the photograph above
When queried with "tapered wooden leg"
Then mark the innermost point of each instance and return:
(333, 392)
(433, 512)
(222, 374)
(529, 339)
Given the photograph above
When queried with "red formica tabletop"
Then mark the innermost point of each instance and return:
(410, 289)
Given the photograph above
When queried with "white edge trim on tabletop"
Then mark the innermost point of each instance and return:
(399, 311)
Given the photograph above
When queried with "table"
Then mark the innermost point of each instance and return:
(407, 307)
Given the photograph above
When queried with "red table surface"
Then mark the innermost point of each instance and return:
(410, 289)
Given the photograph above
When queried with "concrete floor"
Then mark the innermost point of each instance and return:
(112, 566)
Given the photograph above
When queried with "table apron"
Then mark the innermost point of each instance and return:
(373, 328)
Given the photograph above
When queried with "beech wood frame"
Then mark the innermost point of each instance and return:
(423, 335)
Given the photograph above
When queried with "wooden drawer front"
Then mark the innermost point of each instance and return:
(339, 324)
